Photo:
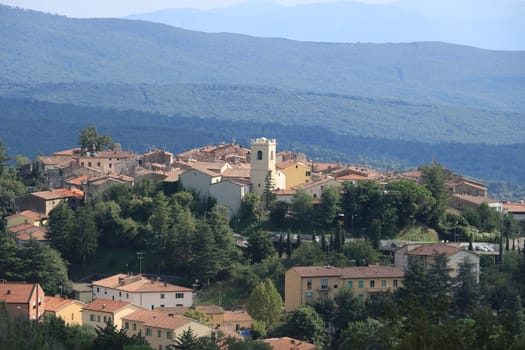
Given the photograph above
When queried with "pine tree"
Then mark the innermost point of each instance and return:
(265, 304)
(61, 228)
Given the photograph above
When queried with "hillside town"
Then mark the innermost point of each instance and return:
(146, 302)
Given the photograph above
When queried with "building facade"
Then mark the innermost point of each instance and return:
(307, 283)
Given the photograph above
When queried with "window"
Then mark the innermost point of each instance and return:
(360, 284)
(98, 290)
(148, 332)
(98, 318)
(105, 291)
(383, 283)
(308, 295)
(308, 284)
(372, 284)
(179, 295)
(89, 163)
(152, 307)
(126, 325)
(81, 163)
(350, 284)
(72, 317)
(271, 155)
(162, 305)
(169, 335)
(159, 333)
(92, 318)
(98, 163)
(395, 283)
(119, 294)
(134, 326)
(162, 295)
(127, 295)
(324, 283)
(105, 319)
(335, 286)
(259, 155)
(110, 165)
(308, 173)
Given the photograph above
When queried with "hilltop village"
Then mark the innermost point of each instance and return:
(229, 247)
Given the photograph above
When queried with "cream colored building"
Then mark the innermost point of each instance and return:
(263, 164)
(307, 283)
(296, 173)
(101, 311)
(424, 254)
(141, 291)
(70, 310)
(161, 329)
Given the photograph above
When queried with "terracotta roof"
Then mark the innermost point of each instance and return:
(432, 249)
(80, 180)
(204, 171)
(55, 304)
(286, 343)
(20, 228)
(354, 177)
(157, 319)
(237, 172)
(31, 214)
(46, 160)
(373, 271)
(16, 292)
(288, 163)
(38, 233)
(283, 192)
(237, 316)
(138, 283)
(59, 194)
(67, 152)
(514, 207)
(307, 185)
(106, 305)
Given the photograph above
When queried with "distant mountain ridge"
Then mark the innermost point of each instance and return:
(492, 24)
(41, 48)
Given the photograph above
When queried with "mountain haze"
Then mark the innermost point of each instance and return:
(490, 24)
(390, 105)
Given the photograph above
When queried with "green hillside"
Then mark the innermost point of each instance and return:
(340, 114)
(40, 48)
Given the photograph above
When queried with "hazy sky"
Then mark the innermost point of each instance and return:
(121, 8)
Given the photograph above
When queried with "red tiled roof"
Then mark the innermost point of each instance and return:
(59, 194)
(16, 292)
(432, 249)
(287, 343)
(31, 214)
(373, 271)
(138, 283)
(514, 207)
(55, 304)
(20, 228)
(78, 180)
(237, 316)
(106, 305)
(210, 309)
(157, 319)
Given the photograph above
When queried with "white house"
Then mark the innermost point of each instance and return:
(230, 193)
(141, 291)
(199, 179)
(316, 188)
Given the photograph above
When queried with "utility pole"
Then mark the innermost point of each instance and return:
(140, 256)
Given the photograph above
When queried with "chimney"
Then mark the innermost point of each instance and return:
(8, 291)
(165, 284)
(103, 306)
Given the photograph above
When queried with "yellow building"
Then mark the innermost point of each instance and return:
(296, 172)
(70, 310)
(235, 320)
(27, 217)
(161, 329)
(306, 283)
(101, 311)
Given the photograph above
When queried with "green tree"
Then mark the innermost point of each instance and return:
(223, 236)
(188, 340)
(329, 206)
(10, 189)
(362, 335)
(362, 253)
(183, 239)
(251, 210)
(10, 262)
(84, 241)
(302, 207)
(268, 196)
(466, 294)
(350, 308)
(61, 228)
(434, 177)
(110, 337)
(306, 324)
(259, 247)
(44, 265)
(265, 304)
(205, 261)
(278, 213)
(90, 141)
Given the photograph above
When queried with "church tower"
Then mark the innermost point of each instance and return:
(262, 161)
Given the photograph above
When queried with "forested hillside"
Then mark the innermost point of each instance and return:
(45, 48)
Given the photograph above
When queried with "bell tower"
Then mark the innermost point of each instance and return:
(262, 162)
